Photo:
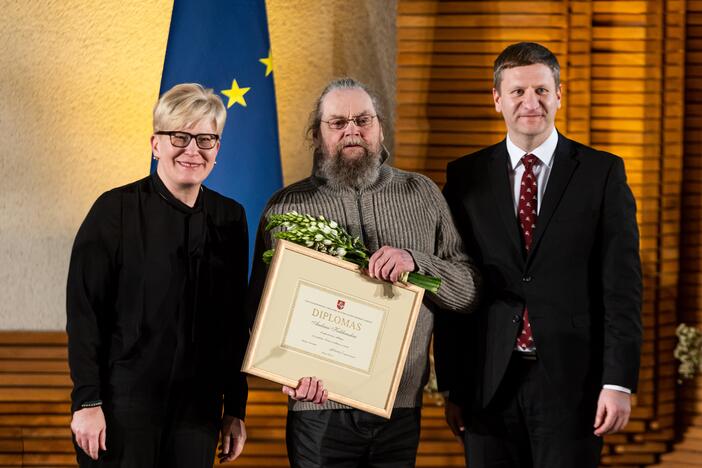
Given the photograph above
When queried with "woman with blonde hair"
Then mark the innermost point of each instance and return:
(156, 331)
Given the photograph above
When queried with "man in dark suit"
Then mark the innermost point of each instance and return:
(554, 348)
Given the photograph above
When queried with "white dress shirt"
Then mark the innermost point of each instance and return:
(542, 169)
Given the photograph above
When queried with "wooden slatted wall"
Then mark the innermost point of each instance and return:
(688, 450)
(630, 88)
(690, 305)
(444, 73)
(35, 407)
(622, 71)
(35, 412)
(577, 73)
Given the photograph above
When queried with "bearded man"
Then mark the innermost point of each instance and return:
(404, 219)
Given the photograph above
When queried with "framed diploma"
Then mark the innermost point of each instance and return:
(320, 317)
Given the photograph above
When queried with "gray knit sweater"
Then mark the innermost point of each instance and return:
(401, 209)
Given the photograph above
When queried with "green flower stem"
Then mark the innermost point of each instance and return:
(430, 283)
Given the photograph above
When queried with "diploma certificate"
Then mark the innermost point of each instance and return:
(320, 317)
(331, 325)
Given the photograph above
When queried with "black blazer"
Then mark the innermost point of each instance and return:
(581, 280)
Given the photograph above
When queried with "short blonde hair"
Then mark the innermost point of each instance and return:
(186, 104)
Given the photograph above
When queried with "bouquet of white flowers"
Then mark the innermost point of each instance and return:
(688, 351)
(328, 237)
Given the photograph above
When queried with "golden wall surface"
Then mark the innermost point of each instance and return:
(77, 84)
(78, 81)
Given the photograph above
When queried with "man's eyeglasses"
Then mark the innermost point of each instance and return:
(341, 123)
(182, 139)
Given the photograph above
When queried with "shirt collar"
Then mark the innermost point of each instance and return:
(544, 152)
(173, 201)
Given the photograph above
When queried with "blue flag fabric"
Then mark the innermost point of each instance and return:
(224, 45)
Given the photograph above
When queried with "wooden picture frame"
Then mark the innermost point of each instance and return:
(319, 316)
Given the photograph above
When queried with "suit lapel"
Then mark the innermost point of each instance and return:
(502, 192)
(564, 163)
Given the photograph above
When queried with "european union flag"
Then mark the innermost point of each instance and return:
(224, 45)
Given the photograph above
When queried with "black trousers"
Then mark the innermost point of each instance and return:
(352, 439)
(140, 439)
(527, 425)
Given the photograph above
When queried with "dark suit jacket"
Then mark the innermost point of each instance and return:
(581, 280)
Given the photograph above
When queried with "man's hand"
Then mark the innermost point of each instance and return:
(233, 438)
(308, 389)
(613, 410)
(454, 418)
(88, 425)
(388, 263)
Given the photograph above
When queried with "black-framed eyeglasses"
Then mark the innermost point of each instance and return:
(182, 139)
(339, 123)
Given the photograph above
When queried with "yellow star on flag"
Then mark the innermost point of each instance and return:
(235, 94)
(268, 62)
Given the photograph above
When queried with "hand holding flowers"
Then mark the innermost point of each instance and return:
(389, 263)
(326, 236)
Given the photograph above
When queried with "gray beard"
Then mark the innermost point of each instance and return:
(340, 172)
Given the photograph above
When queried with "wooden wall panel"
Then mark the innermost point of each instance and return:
(35, 412)
(444, 73)
(632, 35)
(688, 449)
(623, 73)
(35, 407)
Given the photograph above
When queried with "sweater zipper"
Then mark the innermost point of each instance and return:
(360, 217)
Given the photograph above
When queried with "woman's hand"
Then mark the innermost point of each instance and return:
(88, 426)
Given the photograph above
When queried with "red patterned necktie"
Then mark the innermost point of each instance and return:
(527, 213)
